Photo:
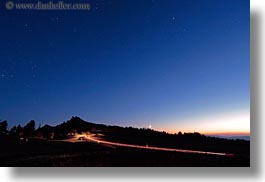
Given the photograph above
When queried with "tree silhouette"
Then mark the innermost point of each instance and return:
(179, 134)
(3, 127)
(13, 130)
(29, 129)
(19, 131)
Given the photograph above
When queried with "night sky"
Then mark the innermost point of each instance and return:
(172, 64)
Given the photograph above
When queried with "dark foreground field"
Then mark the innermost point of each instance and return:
(52, 154)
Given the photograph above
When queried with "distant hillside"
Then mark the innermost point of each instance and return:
(144, 136)
(243, 137)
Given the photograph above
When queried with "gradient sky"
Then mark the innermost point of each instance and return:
(173, 64)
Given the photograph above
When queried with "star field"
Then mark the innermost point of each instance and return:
(131, 63)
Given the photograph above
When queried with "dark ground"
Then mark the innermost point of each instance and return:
(42, 153)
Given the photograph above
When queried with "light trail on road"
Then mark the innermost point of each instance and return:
(98, 141)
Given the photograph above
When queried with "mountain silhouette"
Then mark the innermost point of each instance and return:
(62, 142)
(144, 136)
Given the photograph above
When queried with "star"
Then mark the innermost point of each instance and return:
(57, 19)
(27, 27)
(75, 30)
(173, 18)
(34, 67)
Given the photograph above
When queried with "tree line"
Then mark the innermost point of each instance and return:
(28, 130)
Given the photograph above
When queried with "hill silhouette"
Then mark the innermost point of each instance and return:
(49, 141)
(145, 136)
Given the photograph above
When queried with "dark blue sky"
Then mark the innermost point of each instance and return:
(130, 63)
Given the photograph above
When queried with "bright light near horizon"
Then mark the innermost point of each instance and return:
(228, 123)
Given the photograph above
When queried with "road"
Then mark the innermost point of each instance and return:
(90, 138)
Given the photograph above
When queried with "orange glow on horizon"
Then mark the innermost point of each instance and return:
(221, 124)
(228, 133)
(235, 133)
